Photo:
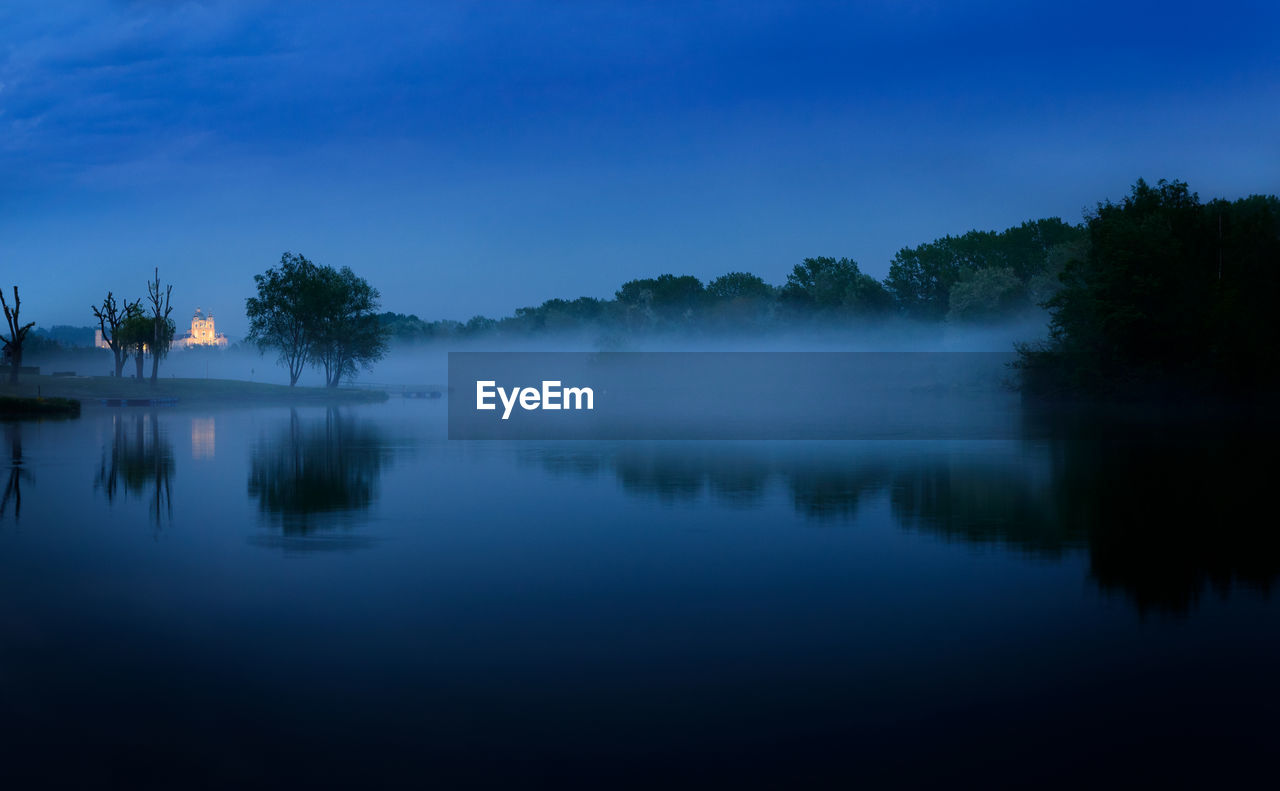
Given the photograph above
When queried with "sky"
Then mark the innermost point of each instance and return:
(472, 158)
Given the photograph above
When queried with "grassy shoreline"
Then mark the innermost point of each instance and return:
(18, 407)
(204, 392)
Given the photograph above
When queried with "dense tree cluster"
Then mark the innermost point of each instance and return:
(990, 273)
(316, 315)
(1171, 295)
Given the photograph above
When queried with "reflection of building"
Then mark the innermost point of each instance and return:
(202, 333)
(203, 438)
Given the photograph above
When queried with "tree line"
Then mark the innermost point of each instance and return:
(978, 276)
(1157, 294)
(1157, 291)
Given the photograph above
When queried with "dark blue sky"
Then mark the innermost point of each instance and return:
(475, 157)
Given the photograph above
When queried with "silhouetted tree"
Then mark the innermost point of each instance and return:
(664, 300)
(739, 285)
(110, 316)
(478, 325)
(283, 314)
(830, 284)
(347, 334)
(987, 293)
(17, 334)
(316, 315)
(135, 336)
(922, 278)
(162, 327)
(556, 315)
(1172, 296)
(740, 298)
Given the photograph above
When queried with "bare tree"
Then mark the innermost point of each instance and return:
(162, 327)
(17, 334)
(110, 317)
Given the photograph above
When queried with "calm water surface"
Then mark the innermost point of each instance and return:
(343, 596)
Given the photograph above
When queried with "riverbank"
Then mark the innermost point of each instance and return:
(17, 407)
(204, 392)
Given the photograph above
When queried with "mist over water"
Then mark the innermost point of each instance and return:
(427, 362)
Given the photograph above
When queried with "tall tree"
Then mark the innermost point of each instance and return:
(283, 314)
(17, 334)
(134, 334)
(110, 316)
(347, 334)
(162, 327)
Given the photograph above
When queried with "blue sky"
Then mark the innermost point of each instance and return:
(476, 157)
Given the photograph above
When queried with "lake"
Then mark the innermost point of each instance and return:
(343, 596)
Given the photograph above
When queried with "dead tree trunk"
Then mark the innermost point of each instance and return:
(17, 334)
(162, 335)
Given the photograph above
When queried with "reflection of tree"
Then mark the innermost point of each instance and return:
(139, 457)
(1169, 517)
(314, 469)
(834, 491)
(562, 461)
(674, 474)
(980, 500)
(1162, 516)
(17, 472)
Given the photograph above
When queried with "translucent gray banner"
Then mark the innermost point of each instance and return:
(732, 395)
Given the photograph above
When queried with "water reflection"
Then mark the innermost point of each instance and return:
(1167, 520)
(1006, 499)
(1163, 517)
(138, 459)
(203, 438)
(314, 472)
(18, 472)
